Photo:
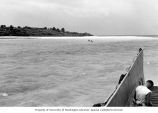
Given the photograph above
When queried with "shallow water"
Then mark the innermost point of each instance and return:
(68, 72)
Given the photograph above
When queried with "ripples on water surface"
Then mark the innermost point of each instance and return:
(68, 72)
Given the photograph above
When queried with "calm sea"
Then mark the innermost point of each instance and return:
(68, 71)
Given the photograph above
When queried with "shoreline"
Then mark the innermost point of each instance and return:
(85, 37)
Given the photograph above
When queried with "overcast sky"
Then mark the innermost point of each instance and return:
(99, 17)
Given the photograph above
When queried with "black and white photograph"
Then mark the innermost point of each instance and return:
(79, 53)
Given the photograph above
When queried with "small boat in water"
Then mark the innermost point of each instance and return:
(123, 95)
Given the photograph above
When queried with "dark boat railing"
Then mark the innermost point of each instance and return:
(123, 95)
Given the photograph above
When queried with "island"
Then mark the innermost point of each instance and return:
(35, 31)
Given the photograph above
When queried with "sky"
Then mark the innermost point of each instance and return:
(98, 17)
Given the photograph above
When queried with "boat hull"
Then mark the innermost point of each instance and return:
(123, 95)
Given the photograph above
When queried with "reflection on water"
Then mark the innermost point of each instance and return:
(72, 72)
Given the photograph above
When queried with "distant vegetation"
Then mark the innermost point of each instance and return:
(34, 31)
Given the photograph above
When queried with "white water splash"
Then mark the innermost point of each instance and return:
(4, 94)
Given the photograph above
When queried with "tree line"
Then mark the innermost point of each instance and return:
(35, 31)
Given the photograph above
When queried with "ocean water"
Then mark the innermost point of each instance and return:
(68, 72)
